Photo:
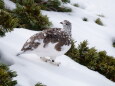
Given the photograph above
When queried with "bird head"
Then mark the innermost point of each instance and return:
(65, 23)
(66, 26)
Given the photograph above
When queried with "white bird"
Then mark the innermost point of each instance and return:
(51, 43)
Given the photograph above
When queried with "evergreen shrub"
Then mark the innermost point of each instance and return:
(7, 22)
(50, 5)
(1, 4)
(6, 76)
(66, 1)
(30, 17)
(54, 5)
(93, 59)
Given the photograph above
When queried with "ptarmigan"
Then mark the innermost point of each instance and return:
(51, 42)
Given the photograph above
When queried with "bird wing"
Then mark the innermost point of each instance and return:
(54, 35)
(33, 42)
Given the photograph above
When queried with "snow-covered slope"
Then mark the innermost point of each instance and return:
(31, 69)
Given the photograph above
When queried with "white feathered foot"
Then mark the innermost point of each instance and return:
(50, 61)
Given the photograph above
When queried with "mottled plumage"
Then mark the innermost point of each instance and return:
(54, 35)
(51, 42)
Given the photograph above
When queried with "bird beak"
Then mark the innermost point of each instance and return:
(61, 22)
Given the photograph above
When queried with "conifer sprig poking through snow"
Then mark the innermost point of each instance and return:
(99, 22)
(39, 84)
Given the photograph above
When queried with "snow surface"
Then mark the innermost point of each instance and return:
(9, 4)
(31, 69)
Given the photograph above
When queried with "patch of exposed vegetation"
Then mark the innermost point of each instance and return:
(99, 22)
(92, 59)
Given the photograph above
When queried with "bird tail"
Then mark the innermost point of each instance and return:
(18, 54)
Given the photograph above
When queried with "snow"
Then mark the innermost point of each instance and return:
(31, 69)
(9, 4)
